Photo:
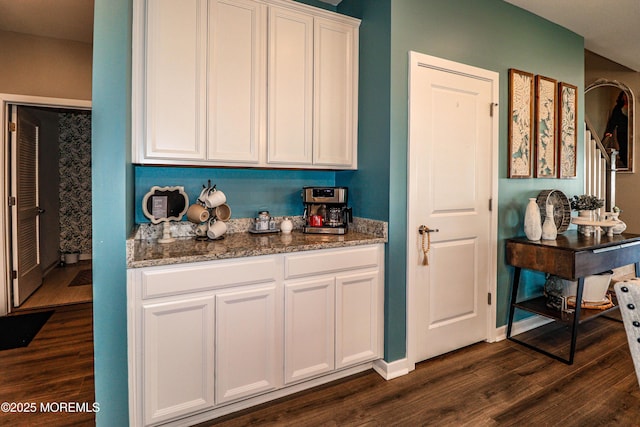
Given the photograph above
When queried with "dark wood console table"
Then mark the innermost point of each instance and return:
(571, 256)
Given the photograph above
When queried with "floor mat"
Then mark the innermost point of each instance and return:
(18, 331)
(84, 277)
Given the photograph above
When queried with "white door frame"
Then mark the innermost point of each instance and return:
(418, 59)
(33, 101)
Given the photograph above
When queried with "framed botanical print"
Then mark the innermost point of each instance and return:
(567, 130)
(545, 128)
(521, 99)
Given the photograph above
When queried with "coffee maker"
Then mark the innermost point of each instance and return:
(325, 210)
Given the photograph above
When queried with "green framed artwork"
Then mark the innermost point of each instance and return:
(521, 99)
(567, 130)
(545, 129)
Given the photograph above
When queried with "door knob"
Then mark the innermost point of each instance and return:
(424, 229)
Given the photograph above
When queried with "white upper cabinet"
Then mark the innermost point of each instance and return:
(290, 86)
(235, 80)
(174, 93)
(335, 94)
(270, 84)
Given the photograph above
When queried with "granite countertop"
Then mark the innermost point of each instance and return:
(147, 252)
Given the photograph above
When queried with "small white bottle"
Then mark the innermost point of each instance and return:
(286, 226)
(549, 230)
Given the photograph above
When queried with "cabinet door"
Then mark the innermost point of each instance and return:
(237, 79)
(309, 328)
(335, 93)
(247, 342)
(175, 79)
(290, 62)
(357, 318)
(177, 359)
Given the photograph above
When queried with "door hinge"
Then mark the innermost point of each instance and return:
(490, 204)
(493, 106)
(12, 201)
(12, 126)
(14, 275)
(489, 298)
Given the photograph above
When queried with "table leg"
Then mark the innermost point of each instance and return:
(638, 269)
(576, 319)
(514, 294)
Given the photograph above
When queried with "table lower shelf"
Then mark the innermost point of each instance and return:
(539, 306)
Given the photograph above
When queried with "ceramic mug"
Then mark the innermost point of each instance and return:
(212, 199)
(201, 229)
(223, 212)
(216, 229)
(197, 213)
(203, 194)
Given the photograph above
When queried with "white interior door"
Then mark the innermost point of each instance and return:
(452, 130)
(25, 211)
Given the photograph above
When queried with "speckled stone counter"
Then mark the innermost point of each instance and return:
(143, 250)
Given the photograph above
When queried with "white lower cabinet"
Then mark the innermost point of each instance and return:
(357, 318)
(247, 341)
(209, 338)
(309, 328)
(177, 355)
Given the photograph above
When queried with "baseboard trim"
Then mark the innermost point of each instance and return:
(521, 326)
(391, 370)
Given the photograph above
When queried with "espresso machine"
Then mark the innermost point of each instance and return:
(325, 210)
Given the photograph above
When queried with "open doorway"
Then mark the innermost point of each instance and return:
(58, 179)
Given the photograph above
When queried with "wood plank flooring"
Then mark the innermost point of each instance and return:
(481, 385)
(55, 289)
(57, 366)
(484, 384)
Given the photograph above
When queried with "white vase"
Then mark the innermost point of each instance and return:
(549, 229)
(620, 224)
(532, 221)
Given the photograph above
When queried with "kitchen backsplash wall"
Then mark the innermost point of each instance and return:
(75, 182)
(248, 190)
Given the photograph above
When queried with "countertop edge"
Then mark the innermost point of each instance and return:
(244, 253)
(144, 251)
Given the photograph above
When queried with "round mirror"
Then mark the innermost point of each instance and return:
(609, 116)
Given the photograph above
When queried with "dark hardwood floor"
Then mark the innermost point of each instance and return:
(55, 368)
(481, 385)
(484, 384)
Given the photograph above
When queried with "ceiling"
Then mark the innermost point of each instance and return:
(58, 19)
(611, 32)
(610, 28)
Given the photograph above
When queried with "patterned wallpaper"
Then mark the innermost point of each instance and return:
(75, 182)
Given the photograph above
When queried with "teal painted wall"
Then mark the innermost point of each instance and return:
(489, 34)
(248, 191)
(112, 184)
(317, 3)
(369, 185)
